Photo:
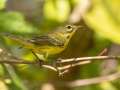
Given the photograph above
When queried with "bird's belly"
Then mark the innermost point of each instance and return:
(50, 50)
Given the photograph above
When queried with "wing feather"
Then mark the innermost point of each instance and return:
(46, 40)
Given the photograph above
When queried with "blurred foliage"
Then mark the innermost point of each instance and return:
(107, 15)
(15, 23)
(57, 10)
(102, 27)
(2, 4)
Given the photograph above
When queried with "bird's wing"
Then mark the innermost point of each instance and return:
(46, 40)
(38, 40)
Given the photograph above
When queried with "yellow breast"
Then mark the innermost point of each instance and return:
(50, 50)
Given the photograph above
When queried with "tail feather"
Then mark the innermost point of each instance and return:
(24, 42)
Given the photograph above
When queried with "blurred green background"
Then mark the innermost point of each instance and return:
(101, 29)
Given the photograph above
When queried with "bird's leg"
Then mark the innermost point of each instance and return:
(38, 59)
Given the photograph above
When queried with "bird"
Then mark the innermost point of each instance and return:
(47, 45)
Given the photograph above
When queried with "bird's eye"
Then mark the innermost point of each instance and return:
(69, 28)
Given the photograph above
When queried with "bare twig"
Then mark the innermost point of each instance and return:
(69, 63)
(50, 67)
(28, 62)
(96, 80)
(104, 52)
(79, 62)
(89, 58)
(73, 65)
(65, 68)
(16, 62)
(76, 62)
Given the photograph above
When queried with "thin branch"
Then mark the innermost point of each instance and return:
(103, 52)
(73, 65)
(76, 62)
(89, 58)
(17, 62)
(64, 69)
(50, 67)
(96, 80)
(28, 62)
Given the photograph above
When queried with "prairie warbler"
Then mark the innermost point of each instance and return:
(50, 44)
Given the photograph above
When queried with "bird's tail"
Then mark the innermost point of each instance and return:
(19, 39)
